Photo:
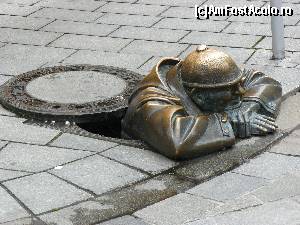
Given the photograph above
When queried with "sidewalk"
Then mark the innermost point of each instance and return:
(51, 177)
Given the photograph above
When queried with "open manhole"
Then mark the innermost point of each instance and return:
(95, 98)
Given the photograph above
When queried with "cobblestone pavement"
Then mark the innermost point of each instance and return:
(51, 177)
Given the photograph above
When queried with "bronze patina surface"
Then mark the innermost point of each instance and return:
(184, 109)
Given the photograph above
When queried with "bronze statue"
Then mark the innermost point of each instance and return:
(199, 105)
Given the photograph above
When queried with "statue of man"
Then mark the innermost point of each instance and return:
(184, 109)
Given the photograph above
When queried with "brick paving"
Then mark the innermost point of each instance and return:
(51, 177)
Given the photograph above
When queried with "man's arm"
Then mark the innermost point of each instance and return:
(165, 126)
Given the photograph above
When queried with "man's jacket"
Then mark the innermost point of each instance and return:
(157, 114)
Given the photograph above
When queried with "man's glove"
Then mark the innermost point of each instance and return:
(246, 121)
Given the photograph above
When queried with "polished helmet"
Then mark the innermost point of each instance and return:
(209, 68)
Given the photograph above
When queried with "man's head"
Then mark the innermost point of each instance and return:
(211, 78)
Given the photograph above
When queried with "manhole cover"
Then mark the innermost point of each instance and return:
(78, 93)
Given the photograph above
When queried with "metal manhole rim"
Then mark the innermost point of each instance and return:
(14, 97)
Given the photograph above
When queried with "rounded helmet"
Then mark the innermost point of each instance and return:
(209, 68)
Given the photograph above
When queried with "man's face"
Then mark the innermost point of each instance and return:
(212, 99)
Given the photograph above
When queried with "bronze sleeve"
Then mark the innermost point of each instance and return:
(168, 129)
(264, 90)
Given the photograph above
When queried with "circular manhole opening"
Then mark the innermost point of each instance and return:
(78, 93)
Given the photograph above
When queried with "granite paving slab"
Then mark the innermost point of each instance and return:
(288, 146)
(129, 61)
(175, 210)
(270, 166)
(10, 174)
(154, 48)
(26, 36)
(149, 34)
(16, 130)
(34, 158)
(125, 220)
(290, 44)
(66, 14)
(192, 24)
(227, 186)
(264, 57)
(83, 143)
(221, 39)
(98, 174)
(23, 22)
(90, 42)
(126, 8)
(274, 213)
(282, 188)
(16, 10)
(67, 4)
(43, 192)
(16, 59)
(143, 159)
(130, 20)
(80, 28)
(10, 209)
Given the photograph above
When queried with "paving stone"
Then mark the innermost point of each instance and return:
(239, 55)
(80, 214)
(288, 146)
(129, 61)
(207, 166)
(90, 42)
(11, 9)
(220, 39)
(26, 36)
(130, 20)
(270, 166)
(35, 158)
(227, 186)
(239, 3)
(80, 28)
(20, 2)
(23, 22)
(126, 8)
(185, 12)
(288, 77)
(149, 34)
(237, 204)
(191, 24)
(176, 210)
(147, 67)
(264, 57)
(248, 28)
(186, 3)
(65, 14)
(84, 143)
(292, 31)
(154, 48)
(285, 187)
(143, 159)
(118, 203)
(25, 221)
(10, 174)
(289, 113)
(275, 213)
(2, 144)
(98, 174)
(288, 20)
(72, 4)
(16, 59)
(43, 192)
(16, 130)
(124, 220)
(290, 44)
(80, 87)
(10, 208)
